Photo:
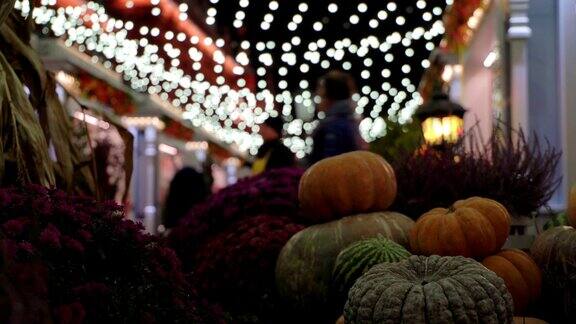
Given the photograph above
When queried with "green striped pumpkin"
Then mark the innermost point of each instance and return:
(359, 257)
(306, 264)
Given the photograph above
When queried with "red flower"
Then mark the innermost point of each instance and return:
(73, 244)
(85, 235)
(50, 236)
(15, 227)
(26, 248)
(70, 314)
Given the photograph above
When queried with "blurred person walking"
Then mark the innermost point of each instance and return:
(339, 131)
(187, 189)
(273, 154)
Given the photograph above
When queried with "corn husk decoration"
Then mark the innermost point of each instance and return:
(35, 129)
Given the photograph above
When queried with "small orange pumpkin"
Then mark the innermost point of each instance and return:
(475, 227)
(571, 212)
(521, 274)
(348, 184)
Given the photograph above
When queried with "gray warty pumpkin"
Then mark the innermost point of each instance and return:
(429, 290)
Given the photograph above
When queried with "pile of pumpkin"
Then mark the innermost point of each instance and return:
(359, 263)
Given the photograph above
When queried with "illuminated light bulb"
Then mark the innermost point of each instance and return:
(297, 18)
(373, 23)
(273, 5)
(347, 65)
(240, 15)
(303, 7)
(386, 73)
(392, 6)
(238, 70)
(382, 15)
(354, 19)
(333, 8)
(400, 20)
(362, 7)
(318, 26)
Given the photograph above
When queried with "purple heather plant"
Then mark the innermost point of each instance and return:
(520, 174)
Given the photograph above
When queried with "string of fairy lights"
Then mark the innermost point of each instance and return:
(286, 43)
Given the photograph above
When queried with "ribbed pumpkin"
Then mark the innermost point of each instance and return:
(429, 290)
(571, 211)
(521, 274)
(305, 265)
(347, 184)
(475, 227)
(555, 253)
(359, 257)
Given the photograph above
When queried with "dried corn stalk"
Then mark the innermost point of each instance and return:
(6, 6)
(32, 123)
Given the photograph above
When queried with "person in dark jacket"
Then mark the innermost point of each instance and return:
(273, 153)
(187, 189)
(338, 132)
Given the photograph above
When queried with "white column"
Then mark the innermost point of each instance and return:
(518, 33)
(567, 88)
(145, 177)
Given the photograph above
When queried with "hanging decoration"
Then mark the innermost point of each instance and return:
(95, 89)
(264, 64)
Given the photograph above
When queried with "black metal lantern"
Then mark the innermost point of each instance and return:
(442, 120)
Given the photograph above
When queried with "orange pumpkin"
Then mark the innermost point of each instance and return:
(521, 274)
(340, 320)
(571, 212)
(475, 227)
(528, 320)
(348, 184)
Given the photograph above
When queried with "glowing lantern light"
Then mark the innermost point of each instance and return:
(442, 120)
